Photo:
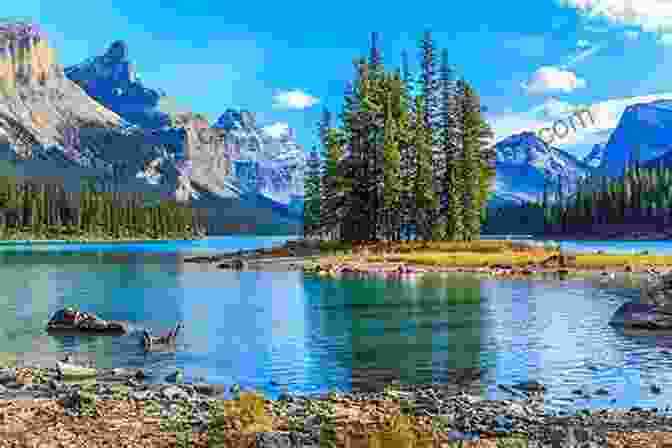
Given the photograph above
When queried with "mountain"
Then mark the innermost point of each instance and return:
(112, 81)
(52, 129)
(525, 163)
(231, 157)
(643, 133)
(596, 156)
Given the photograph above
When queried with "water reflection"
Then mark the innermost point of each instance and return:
(390, 329)
(274, 329)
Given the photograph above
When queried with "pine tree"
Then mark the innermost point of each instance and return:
(392, 158)
(311, 209)
(472, 130)
(406, 149)
(425, 201)
(452, 189)
(430, 91)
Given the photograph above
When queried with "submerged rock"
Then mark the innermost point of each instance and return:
(657, 290)
(69, 319)
(645, 316)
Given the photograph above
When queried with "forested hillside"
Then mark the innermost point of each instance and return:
(32, 210)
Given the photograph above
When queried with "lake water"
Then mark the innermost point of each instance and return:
(277, 330)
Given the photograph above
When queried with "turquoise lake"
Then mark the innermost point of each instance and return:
(278, 331)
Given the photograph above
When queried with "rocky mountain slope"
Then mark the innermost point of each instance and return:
(596, 156)
(51, 128)
(232, 157)
(643, 134)
(524, 163)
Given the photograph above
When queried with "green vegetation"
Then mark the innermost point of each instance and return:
(481, 253)
(641, 195)
(639, 200)
(32, 211)
(401, 165)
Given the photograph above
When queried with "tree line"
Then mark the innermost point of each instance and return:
(38, 210)
(640, 195)
(411, 159)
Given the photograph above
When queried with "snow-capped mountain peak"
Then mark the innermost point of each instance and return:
(277, 130)
(525, 164)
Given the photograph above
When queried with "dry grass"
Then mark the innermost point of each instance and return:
(466, 259)
(520, 259)
(36, 423)
(405, 247)
(595, 260)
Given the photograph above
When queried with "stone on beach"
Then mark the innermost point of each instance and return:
(66, 370)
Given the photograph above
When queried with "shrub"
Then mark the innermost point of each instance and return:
(247, 413)
(400, 431)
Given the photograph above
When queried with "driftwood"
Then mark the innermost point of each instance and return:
(159, 342)
(561, 260)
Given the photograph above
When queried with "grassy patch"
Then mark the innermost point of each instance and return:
(597, 260)
(246, 414)
(470, 259)
(8, 359)
(400, 431)
(404, 247)
(462, 259)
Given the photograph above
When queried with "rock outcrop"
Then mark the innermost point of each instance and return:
(657, 290)
(653, 311)
(112, 81)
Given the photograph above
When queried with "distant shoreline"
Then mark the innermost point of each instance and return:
(119, 241)
(37, 242)
(635, 236)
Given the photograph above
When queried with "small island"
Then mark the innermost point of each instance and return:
(394, 259)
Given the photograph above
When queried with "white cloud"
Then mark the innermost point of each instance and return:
(276, 130)
(293, 99)
(582, 43)
(583, 55)
(551, 79)
(649, 15)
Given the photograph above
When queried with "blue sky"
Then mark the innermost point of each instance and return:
(522, 56)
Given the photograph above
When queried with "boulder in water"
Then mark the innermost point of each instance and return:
(69, 319)
(645, 316)
(658, 290)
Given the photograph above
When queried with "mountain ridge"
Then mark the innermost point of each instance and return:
(51, 127)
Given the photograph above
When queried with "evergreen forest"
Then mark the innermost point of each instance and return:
(45, 210)
(412, 157)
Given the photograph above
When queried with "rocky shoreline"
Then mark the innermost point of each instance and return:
(264, 259)
(436, 410)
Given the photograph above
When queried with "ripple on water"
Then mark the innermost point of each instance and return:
(311, 334)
